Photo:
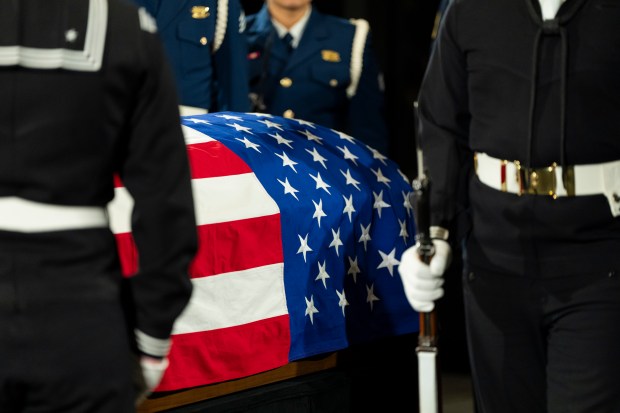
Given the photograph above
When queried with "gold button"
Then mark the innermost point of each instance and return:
(286, 82)
(333, 83)
(203, 40)
(288, 114)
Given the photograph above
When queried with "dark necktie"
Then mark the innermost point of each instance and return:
(288, 42)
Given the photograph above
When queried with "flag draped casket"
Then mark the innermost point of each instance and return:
(300, 231)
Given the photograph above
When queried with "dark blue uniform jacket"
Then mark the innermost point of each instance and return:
(311, 84)
(209, 75)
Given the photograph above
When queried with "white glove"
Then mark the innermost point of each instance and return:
(423, 282)
(151, 372)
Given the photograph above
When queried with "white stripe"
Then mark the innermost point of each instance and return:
(221, 199)
(185, 110)
(87, 60)
(119, 211)
(233, 299)
(159, 347)
(230, 198)
(193, 136)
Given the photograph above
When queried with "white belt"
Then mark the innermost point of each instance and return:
(591, 179)
(191, 110)
(22, 215)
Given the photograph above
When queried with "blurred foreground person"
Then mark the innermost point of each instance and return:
(519, 108)
(315, 67)
(87, 94)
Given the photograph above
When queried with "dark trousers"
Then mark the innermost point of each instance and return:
(67, 358)
(544, 345)
(64, 344)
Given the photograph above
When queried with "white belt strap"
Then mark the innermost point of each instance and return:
(22, 215)
(591, 179)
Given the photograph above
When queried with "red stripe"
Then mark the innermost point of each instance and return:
(223, 247)
(117, 181)
(238, 245)
(208, 160)
(197, 359)
(211, 159)
(127, 252)
(503, 173)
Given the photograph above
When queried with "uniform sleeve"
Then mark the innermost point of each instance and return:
(444, 124)
(231, 64)
(156, 173)
(367, 116)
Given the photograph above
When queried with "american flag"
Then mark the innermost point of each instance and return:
(300, 231)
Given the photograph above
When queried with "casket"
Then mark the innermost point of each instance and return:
(301, 228)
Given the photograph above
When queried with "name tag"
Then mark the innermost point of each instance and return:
(200, 12)
(330, 55)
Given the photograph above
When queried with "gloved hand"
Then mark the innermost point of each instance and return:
(149, 374)
(423, 282)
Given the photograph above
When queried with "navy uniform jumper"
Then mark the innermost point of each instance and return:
(86, 95)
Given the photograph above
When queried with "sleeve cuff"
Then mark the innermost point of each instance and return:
(152, 346)
(439, 233)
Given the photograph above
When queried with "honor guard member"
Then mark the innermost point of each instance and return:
(87, 95)
(207, 50)
(325, 74)
(522, 96)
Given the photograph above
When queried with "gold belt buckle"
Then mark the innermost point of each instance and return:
(537, 181)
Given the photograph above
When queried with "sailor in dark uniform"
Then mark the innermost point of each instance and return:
(521, 98)
(326, 74)
(207, 50)
(87, 95)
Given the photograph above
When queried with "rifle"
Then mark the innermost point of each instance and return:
(429, 389)
(427, 351)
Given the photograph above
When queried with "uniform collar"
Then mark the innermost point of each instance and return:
(549, 8)
(296, 30)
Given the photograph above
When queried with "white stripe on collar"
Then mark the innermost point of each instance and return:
(549, 8)
(87, 60)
